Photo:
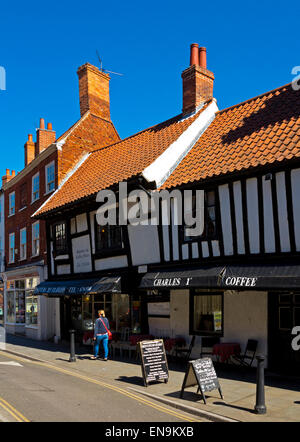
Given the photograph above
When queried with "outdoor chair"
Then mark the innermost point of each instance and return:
(185, 351)
(247, 358)
(207, 345)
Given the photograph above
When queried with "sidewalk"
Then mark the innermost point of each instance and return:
(239, 389)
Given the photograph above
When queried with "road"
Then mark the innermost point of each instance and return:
(38, 392)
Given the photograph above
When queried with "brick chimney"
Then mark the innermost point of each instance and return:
(197, 81)
(94, 91)
(29, 150)
(8, 176)
(44, 137)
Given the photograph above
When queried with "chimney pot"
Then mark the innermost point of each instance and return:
(7, 172)
(30, 138)
(42, 123)
(198, 82)
(13, 173)
(202, 57)
(49, 126)
(194, 54)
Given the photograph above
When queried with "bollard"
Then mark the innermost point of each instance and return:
(260, 406)
(72, 346)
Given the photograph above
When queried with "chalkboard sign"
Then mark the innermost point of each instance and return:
(201, 372)
(154, 361)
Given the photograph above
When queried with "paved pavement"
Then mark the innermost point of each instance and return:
(238, 387)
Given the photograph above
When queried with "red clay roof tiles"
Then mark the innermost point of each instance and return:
(118, 162)
(262, 130)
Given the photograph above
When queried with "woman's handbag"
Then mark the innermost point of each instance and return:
(108, 331)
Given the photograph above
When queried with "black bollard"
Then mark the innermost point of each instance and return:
(260, 406)
(72, 346)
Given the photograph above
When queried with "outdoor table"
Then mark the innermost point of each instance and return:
(226, 349)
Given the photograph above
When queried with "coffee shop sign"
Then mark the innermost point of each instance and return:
(240, 281)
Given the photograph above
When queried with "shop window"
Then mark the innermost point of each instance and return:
(10, 307)
(206, 313)
(31, 308)
(20, 307)
(109, 237)
(210, 228)
(60, 238)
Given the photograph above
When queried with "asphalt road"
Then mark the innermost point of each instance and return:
(37, 392)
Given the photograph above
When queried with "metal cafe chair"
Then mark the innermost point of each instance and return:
(185, 351)
(247, 358)
(207, 344)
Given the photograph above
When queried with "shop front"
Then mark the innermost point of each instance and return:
(80, 301)
(24, 313)
(233, 303)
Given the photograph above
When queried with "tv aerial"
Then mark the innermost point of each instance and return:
(105, 70)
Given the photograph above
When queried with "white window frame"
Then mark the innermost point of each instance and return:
(52, 164)
(23, 256)
(11, 255)
(35, 250)
(33, 199)
(12, 209)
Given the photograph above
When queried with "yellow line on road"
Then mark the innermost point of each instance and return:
(12, 411)
(103, 384)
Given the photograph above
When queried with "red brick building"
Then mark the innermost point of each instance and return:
(48, 162)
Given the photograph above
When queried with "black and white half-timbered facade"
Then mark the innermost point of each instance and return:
(238, 279)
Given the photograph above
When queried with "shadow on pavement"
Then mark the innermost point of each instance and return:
(236, 407)
(135, 380)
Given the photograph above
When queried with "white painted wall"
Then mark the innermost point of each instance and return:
(284, 233)
(81, 248)
(269, 235)
(295, 181)
(253, 220)
(226, 219)
(111, 263)
(144, 244)
(246, 317)
(238, 208)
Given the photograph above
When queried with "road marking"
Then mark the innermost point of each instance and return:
(12, 411)
(109, 386)
(15, 364)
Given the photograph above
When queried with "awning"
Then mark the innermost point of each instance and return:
(111, 284)
(231, 276)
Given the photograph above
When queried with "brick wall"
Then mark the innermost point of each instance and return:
(22, 218)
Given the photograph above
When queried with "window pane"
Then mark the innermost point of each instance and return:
(50, 177)
(10, 307)
(31, 309)
(208, 313)
(60, 238)
(20, 307)
(285, 318)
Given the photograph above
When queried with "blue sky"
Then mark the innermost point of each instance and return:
(251, 48)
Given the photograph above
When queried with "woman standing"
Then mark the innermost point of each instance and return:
(101, 334)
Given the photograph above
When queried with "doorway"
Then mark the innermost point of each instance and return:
(284, 315)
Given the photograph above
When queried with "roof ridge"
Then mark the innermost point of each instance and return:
(144, 130)
(254, 98)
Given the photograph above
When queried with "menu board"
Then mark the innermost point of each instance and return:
(154, 361)
(201, 372)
